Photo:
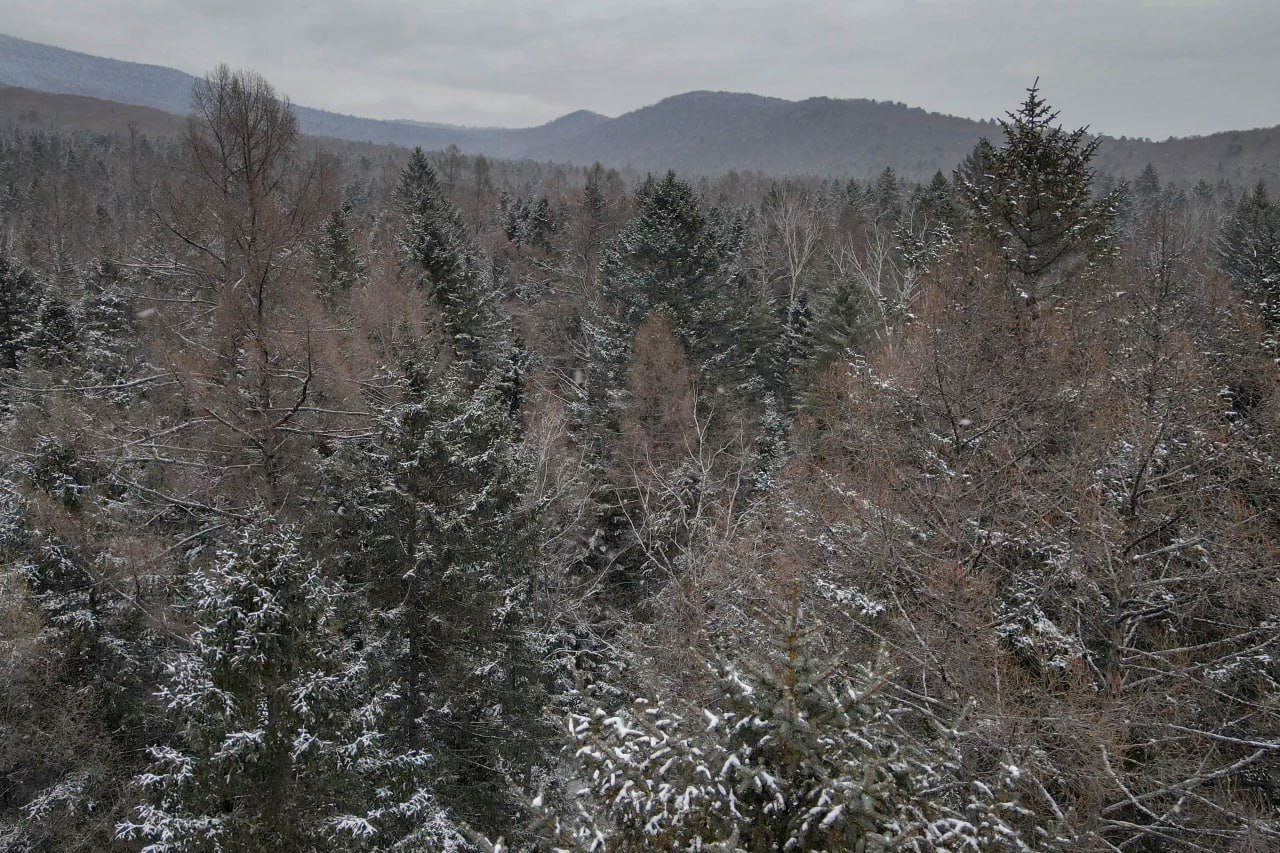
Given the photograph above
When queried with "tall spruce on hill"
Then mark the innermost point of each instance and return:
(1034, 196)
(433, 523)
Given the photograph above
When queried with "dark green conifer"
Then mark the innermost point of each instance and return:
(1034, 196)
(1249, 250)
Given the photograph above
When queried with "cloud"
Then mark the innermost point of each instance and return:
(1136, 67)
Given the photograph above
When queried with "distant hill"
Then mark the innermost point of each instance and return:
(45, 68)
(32, 110)
(695, 133)
(709, 132)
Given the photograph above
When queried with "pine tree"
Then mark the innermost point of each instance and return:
(432, 520)
(279, 742)
(1249, 250)
(1034, 196)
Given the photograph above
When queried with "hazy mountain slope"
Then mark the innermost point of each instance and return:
(32, 110)
(52, 69)
(694, 133)
(1240, 156)
(703, 132)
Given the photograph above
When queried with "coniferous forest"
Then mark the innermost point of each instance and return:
(355, 498)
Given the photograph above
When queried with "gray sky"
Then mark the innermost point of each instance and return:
(1135, 67)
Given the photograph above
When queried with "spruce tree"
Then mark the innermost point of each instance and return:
(74, 716)
(1249, 250)
(433, 521)
(1034, 197)
(976, 172)
(339, 265)
(886, 198)
(845, 320)
(792, 753)
(603, 346)
(682, 261)
(279, 741)
(435, 244)
(527, 221)
(1147, 185)
(939, 209)
(19, 296)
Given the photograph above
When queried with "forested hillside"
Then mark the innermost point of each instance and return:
(696, 133)
(355, 498)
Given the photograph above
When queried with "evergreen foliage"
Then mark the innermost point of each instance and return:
(19, 296)
(528, 221)
(792, 753)
(1249, 250)
(433, 522)
(339, 264)
(845, 320)
(1034, 196)
(517, 430)
(886, 198)
(71, 724)
(682, 261)
(280, 742)
(435, 244)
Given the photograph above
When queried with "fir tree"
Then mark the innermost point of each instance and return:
(1034, 196)
(1147, 186)
(844, 322)
(976, 172)
(73, 724)
(19, 296)
(886, 198)
(939, 208)
(86, 332)
(676, 259)
(603, 348)
(279, 740)
(789, 756)
(1249, 250)
(109, 328)
(435, 243)
(527, 221)
(434, 523)
(339, 265)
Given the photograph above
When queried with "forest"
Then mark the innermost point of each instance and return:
(359, 498)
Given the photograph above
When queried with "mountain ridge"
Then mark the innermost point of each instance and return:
(697, 132)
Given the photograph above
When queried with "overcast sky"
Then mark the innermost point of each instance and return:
(1135, 67)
